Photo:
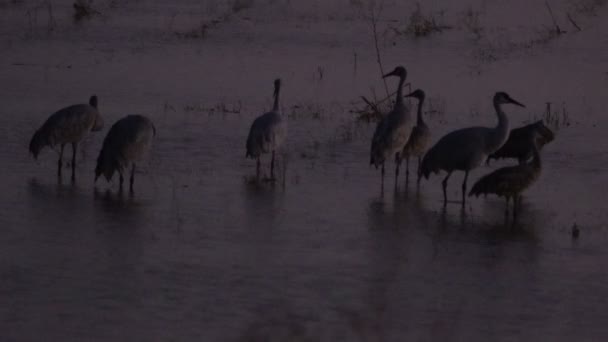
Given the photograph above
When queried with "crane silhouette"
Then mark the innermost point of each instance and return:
(267, 133)
(68, 125)
(519, 145)
(467, 148)
(393, 131)
(126, 142)
(511, 181)
(419, 139)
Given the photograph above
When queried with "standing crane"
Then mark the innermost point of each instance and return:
(69, 125)
(267, 133)
(419, 139)
(128, 140)
(393, 131)
(511, 181)
(519, 145)
(467, 148)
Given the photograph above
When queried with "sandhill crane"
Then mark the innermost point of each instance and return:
(467, 148)
(393, 131)
(126, 142)
(267, 133)
(511, 181)
(519, 145)
(419, 139)
(69, 125)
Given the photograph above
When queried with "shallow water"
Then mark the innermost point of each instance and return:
(201, 251)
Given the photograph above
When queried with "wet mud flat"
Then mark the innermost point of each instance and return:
(200, 251)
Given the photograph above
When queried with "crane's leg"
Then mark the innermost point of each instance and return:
(397, 164)
(122, 180)
(464, 187)
(418, 171)
(74, 146)
(60, 162)
(382, 172)
(516, 202)
(444, 184)
(407, 168)
(257, 167)
(132, 179)
(382, 179)
(507, 207)
(272, 166)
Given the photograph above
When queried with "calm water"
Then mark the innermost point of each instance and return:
(200, 252)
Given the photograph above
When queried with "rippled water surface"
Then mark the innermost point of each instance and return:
(202, 251)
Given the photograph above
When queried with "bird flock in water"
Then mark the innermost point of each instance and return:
(396, 136)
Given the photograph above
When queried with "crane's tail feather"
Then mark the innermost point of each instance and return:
(250, 146)
(39, 140)
(481, 187)
(424, 172)
(427, 166)
(474, 192)
(374, 161)
(106, 164)
(251, 153)
(490, 157)
(376, 157)
(255, 146)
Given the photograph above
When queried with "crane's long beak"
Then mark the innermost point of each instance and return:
(409, 95)
(517, 103)
(392, 73)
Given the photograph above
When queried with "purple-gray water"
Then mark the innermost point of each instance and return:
(201, 252)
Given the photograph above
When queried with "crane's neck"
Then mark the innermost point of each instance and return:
(399, 100)
(419, 120)
(277, 91)
(501, 132)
